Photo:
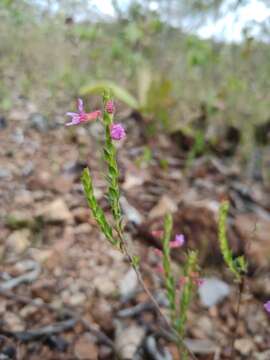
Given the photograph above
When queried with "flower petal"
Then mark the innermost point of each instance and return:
(71, 114)
(92, 115)
(80, 105)
(74, 121)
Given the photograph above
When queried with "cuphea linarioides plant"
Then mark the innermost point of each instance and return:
(114, 231)
(238, 265)
(179, 292)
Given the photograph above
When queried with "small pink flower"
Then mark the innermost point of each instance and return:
(179, 241)
(267, 306)
(110, 107)
(81, 116)
(117, 132)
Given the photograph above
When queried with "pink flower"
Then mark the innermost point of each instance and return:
(267, 306)
(110, 107)
(179, 241)
(117, 132)
(81, 116)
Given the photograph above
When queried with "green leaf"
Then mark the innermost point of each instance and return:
(117, 91)
(135, 261)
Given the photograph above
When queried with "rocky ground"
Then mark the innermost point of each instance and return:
(66, 294)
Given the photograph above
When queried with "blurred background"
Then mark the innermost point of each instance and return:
(191, 82)
(174, 57)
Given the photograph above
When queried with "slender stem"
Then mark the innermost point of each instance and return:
(124, 248)
(240, 293)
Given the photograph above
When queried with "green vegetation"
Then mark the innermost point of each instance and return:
(151, 66)
(237, 266)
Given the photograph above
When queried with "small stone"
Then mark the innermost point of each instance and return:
(77, 299)
(105, 352)
(128, 284)
(56, 212)
(244, 346)
(82, 229)
(3, 306)
(13, 322)
(5, 174)
(130, 212)
(203, 326)
(104, 285)
(19, 240)
(128, 341)
(85, 348)
(18, 115)
(3, 122)
(262, 356)
(39, 122)
(28, 310)
(102, 314)
(213, 291)
(40, 255)
(23, 198)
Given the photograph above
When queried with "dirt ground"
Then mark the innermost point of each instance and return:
(66, 294)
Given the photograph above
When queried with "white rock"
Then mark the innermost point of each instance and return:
(56, 212)
(131, 213)
(19, 240)
(212, 291)
(77, 299)
(104, 285)
(244, 346)
(128, 340)
(128, 284)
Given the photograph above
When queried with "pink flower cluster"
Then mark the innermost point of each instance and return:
(117, 131)
(81, 116)
(110, 107)
(178, 242)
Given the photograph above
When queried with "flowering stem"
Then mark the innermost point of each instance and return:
(241, 286)
(150, 295)
(113, 172)
(169, 279)
(115, 233)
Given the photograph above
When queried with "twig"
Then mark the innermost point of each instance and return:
(153, 351)
(135, 310)
(76, 317)
(28, 277)
(41, 332)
